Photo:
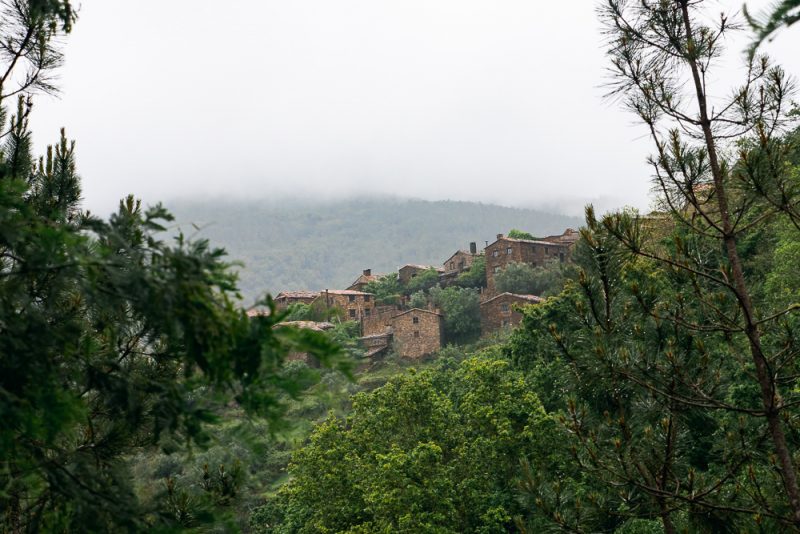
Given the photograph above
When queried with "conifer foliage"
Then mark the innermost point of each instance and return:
(110, 339)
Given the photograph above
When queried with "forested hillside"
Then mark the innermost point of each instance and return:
(303, 245)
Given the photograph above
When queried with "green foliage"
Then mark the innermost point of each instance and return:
(781, 13)
(433, 451)
(299, 312)
(423, 281)
(475, 276)
(519, 234)
(112, 340)
(387, 289)
(462, 312)
(418, 299)
(524, 279)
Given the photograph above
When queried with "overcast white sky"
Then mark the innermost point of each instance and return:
(490, 100)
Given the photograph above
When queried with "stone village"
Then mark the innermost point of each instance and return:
(416, 332)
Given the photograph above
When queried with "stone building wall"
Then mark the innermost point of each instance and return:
(417, 333)
(379, 321)
(458, 262)
(356, 305)
(407, 272)
(499, 311)
(284, 299)
(535, 253)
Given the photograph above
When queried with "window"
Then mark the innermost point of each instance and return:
(352, 314)
(561, 257)
(509, 250)
(415, 320)
(504, 307)
(416, 333)
(462, 264)
(413, 275)
(367, 312)
(351, 298)
(366, 298)
(495, 253)
(452, 265)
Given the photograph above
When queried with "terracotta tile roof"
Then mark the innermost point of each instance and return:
(530, 298)
(342, 292)
(308, 325)
(530, 241)
(424, 267)
(297, 294)
(417, 310)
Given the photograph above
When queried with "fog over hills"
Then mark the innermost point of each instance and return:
(298, 244)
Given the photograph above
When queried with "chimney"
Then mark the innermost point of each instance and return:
(367, 272)
(499, 236)
(473, 248)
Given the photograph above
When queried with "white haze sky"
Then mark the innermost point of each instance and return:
(488, 100)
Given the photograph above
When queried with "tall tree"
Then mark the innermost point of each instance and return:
(721, 169)
(110, 339)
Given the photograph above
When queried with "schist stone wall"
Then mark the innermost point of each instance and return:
(284, 299)
(499, 312)
(459, 262)
(355, 304)
(407, 272)
(417, 332)
(507, 250)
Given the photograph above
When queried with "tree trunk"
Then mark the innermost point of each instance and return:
(769, 393)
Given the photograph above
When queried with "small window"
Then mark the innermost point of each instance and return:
(452, 265)
(351, 298)
(495, 253)
(509, 250)
(462, 264)
(504, 307)
(352, 314)
(413, 275)
(416, 333)
(366, 298)
(415, 320)
(367, 312)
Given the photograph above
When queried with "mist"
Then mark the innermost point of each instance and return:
(497, 102)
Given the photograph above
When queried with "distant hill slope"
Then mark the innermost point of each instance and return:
(303, 245)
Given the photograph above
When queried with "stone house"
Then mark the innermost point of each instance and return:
(499, 311)
(375, 344)
(569, 237)
(307, 325)
(412, 333)
(361, 282)
(407, 272)
(461, 260)
(380, 320)
(417, 332)
(507, 250)
(355, 304)
(284, 299)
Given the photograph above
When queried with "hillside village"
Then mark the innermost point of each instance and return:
(413, 330)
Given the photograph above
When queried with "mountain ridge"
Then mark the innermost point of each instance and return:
(301, 244)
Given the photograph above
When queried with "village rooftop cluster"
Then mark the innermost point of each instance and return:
(416, 332)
